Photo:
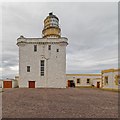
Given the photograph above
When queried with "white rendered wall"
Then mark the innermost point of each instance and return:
(14, 83)
(83, 80)
(111, 80)
(95, 82)
(55, 63)
(1, 83)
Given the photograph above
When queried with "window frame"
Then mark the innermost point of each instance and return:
(57, 50)
(78, 80)
(35, 48)
(106, 80)
(88, 80)
(49, 47)
(28, 68)
(42, 69)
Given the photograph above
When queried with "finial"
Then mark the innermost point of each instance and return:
(51, 13)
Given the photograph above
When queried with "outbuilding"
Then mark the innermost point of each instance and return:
(9, 83)
(83, 80)
(111, 79)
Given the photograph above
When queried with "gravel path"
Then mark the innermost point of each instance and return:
(59, 103)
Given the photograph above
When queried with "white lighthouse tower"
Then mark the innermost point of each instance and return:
(42, 61)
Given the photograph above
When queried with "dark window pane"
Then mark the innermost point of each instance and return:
(49, 47)
(78, 80)
(88, 80)
(106, 79)
(42, 73)
(57, 50)
(42, 62)
(35, 48)
(28, 68)
(42, 68)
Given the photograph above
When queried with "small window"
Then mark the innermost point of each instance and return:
(57, 50)
(106, 79)
(88, 81)
(28, 68)
(117, 79)
(78, 80)
(49, 47)
(35, 48)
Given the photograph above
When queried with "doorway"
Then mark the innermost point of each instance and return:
(98, 84)
(71, 83)
(7, 84)
(31, 84)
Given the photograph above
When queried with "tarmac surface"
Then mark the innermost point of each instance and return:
(59, 103)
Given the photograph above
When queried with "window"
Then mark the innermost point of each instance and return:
(49, 47)
(42, 63)
(57, 50)
(42, 73)
(42, 67)
(88, 81)
(78, 80)
(35, 48)
(106, 79)
(28, 68)
(117, 79)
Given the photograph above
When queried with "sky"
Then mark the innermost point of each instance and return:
(91, 29)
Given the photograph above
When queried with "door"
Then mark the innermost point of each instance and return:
(7, 84)
(68, 83)
(31, 84)
(98, 84)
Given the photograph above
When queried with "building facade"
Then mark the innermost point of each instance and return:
(111, 79)
(83, 80)
(42, 61)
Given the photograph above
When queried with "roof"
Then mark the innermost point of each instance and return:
(83, 74)
(110, 70)
(51, 15)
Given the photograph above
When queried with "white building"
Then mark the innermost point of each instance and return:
(111, 79)
(42, 61)
(8, 83)
(83, 80)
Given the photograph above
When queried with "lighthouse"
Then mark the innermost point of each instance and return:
(42, 61)
(51, 27)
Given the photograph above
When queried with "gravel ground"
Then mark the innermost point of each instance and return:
(59, 103)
